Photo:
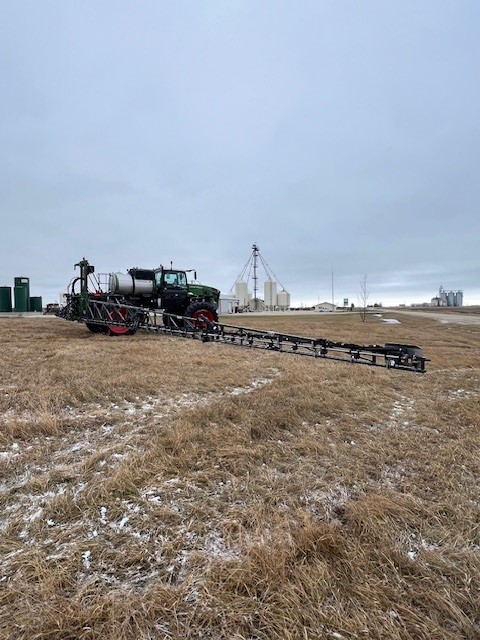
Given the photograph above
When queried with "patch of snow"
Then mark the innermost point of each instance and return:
(11, 453)
(86, 559)
(151, 496)
(398, 410)
(394, 476)
(418, 542)
(463, 393)
(216, 547)
(36, 515)
(255, 384)
(324, 503)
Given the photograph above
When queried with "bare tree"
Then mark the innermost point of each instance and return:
(363, 297)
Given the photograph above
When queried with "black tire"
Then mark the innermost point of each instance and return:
(197, 309)
(96, 328)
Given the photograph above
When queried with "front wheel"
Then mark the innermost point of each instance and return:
(199, 310)
(96, 328)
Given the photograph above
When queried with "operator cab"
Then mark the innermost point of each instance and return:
(171, 290)
(171, 279)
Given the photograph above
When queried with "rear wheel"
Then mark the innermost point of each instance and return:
(199, 310)
(118, 315)
(96, 328)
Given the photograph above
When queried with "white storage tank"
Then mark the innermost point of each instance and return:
(451, 299)
(127, 284)
(283, 300)
(241, 293)
(270, 297)
(459, 299)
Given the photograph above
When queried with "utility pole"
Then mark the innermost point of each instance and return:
(255, 287)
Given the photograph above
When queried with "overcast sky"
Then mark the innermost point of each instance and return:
(336, 134)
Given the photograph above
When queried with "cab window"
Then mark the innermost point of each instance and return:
(173, 279)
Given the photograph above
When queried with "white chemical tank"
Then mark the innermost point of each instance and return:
(126, 284)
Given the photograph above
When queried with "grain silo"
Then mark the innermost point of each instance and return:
(451, 299)
(459, 299)
(270, 297)
(283, 300)
(442, 297)
(5, 299)
(241, 293)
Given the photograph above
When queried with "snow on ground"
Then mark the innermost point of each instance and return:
(61, 475)
(400, 411)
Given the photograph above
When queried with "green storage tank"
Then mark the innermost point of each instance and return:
(21, 299)
(5, 299)
(22, 281)
(36, 303)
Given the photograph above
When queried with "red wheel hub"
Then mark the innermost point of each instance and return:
(203, 313)
(117, 315)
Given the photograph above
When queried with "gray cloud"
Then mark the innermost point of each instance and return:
(332, 134)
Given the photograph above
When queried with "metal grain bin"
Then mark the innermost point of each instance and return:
(21, 299)
(36, 303)
(5, 299)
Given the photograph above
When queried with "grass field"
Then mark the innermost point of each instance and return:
(154, 487)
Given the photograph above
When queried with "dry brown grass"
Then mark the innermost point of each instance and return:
(155, 487)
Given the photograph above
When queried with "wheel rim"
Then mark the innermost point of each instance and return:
(205, 313)
(118, 315)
